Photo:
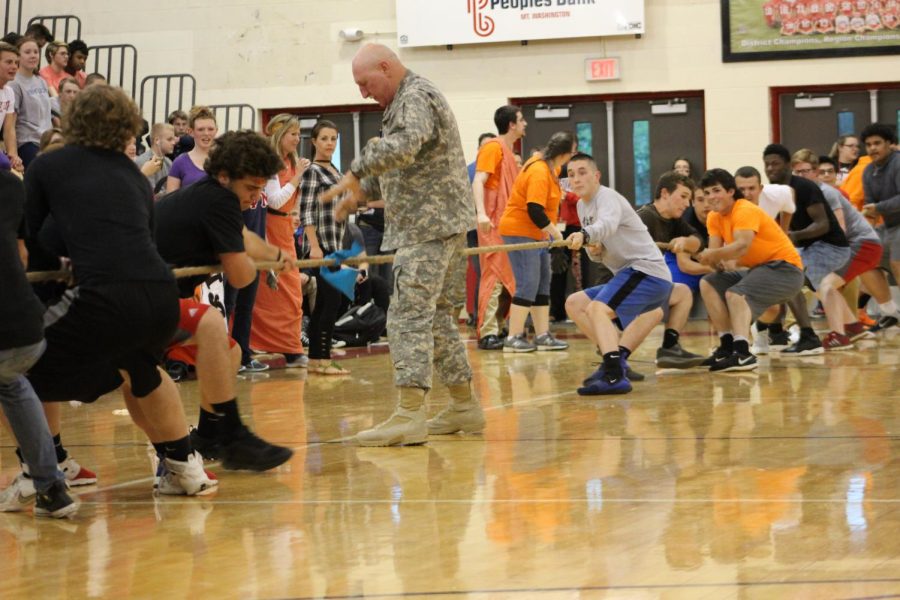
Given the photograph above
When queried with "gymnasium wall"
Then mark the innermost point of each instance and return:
(278, 54)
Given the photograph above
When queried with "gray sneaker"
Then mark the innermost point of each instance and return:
(677, 357)
(19, 495)
(518, 343)
(546, 341)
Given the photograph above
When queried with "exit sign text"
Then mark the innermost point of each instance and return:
(601, 69)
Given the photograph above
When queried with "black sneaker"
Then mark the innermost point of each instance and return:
(55, 502)
(883, 323)
(208, 448)
(735, 362)
(248, 452)
(805, 346)
(717, 355)
(677, 357)
(779, 341)
(490, 342)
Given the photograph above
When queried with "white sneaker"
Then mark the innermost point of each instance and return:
(19, 495)
(76, 474)
(760, 345)
(403, 428)
(185, 478)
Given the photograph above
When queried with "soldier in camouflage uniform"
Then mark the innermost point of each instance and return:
(418, 168)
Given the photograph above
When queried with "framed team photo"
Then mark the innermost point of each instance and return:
(790, 29)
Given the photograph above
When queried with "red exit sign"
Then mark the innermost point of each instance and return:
(601, 69)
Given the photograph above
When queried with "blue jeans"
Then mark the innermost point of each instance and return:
(25, 415)
(531, 268)
(239, 303)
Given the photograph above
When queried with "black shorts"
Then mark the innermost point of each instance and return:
(93, 333)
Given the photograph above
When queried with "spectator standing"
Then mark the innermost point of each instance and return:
(845, 152)
(155, 163)
(278, 313)
(57, 54)
(322, 235)
(188, 168)
(78, 53)
(9, 66)
(32, 104)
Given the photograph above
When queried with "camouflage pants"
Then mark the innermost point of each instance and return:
(429, 280)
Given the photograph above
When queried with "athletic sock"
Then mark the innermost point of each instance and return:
(228, 418)
(61, 454)
(670, 338)
(625, 352)
(863, 300)
(760, 326)
(178, 449)
(776, 328)
(612, 364)
(160, 448)
(208, 424)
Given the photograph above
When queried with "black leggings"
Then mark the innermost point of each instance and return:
(321, 323)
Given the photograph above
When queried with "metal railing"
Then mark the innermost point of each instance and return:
(69, 23)
(10, 23)
(236, 116)
(176, 91)
(116, 62)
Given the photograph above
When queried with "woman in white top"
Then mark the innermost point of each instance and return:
(32, 109)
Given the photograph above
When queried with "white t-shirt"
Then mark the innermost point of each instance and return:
(776, 198)
(7, 101)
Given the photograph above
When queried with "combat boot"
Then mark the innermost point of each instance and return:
(405, 427)
(463, 414)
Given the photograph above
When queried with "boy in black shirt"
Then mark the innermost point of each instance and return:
(818, 236)
(201, 225)
(673, 236)
(112, 327)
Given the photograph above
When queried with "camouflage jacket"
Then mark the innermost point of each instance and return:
(418, 168)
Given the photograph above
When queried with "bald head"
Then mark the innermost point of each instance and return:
(377, 71)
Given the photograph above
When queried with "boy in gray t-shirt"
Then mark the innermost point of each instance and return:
(635, 297)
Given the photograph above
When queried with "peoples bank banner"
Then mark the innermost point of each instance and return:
(443, 22)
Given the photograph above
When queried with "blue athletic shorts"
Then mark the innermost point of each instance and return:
(678, 276)
(632, 293)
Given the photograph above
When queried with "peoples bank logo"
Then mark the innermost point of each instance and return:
(481, 23)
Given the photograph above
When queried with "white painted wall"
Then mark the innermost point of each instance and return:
(271, 53)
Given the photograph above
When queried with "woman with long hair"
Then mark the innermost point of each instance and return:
(845, 152)
(531, 214)
(278, 313)
(322, 235)
(188, 168)
(32, 115)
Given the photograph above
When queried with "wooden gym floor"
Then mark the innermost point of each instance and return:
(779, 484)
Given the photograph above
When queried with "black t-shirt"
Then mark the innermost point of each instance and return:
(197, 223)
(807, 193)
(103, 208)
(662, 229)
(690, 217)
(21, 314)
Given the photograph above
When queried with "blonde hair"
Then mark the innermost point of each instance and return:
(805, 155)
(277, 128)
(52, 48)
(201, 112)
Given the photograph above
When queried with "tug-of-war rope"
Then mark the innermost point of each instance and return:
(41, 276)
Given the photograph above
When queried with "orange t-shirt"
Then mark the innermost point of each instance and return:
(535, 184)
(489, 158)
(52, 78)
(769, 244)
